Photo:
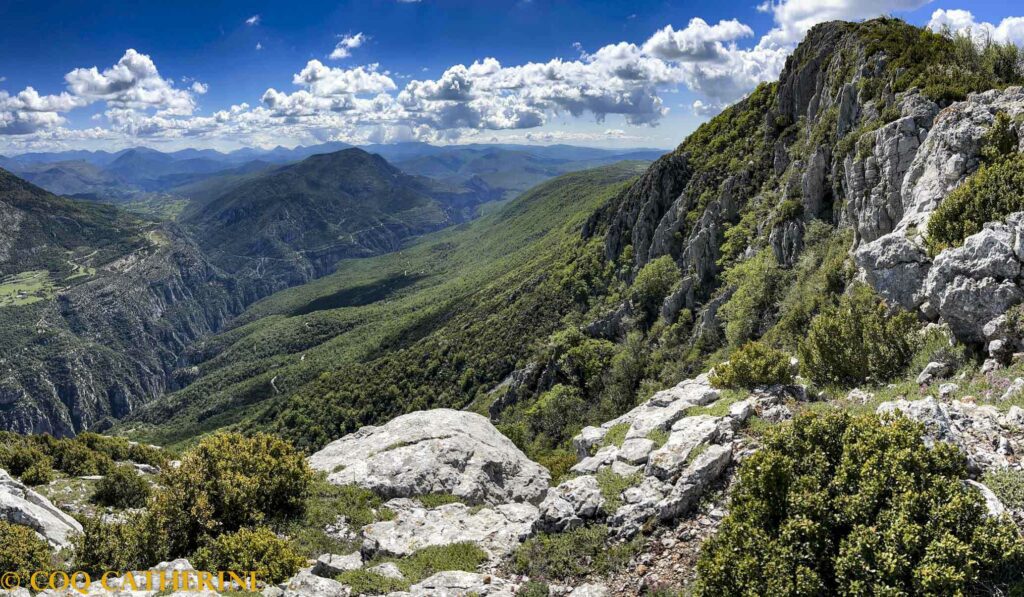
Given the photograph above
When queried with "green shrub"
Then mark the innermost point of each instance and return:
(557, 414)
(122, 488)
(227, 482)
(857, 340)
(992, 193)
(258, 550)
(364, 582)
(431, 560)
(120, 449)
(574, 554)
(754, 364)
(22, 552)
(758, 285)
(534, 589)
(837, 505)
(76, 459)
(39, 473)
(654, 282)
(19, 457)
(106, 546)
(1008, 485)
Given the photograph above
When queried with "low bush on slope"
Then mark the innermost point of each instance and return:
(835, 504)
(226, 484)
(992, 193)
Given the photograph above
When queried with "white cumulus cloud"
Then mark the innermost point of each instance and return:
(1010, 29)
(346, 44)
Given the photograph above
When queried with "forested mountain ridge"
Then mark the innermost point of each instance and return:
(292, 224)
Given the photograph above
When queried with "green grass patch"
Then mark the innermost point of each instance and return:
(572, 555)
(325, 505)
(659, 437)
(364, 582)
(613, 484)
(26, 288)
(616, 435)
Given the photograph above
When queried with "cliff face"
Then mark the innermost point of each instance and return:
(95, 307)
(868, 129)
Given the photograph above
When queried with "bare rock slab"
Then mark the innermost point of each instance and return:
(435, 451)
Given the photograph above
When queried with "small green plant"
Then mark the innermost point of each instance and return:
(1008, 485)
(122, 488)
(613, 484)
(659, 437)
(753, 364)
(616, 435)
(364, 582)
(258, 550)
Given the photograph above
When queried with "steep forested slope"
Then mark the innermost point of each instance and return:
(433, 324)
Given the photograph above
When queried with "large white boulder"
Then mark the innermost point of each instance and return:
(21, 505)
(496, 530)
(435, 451)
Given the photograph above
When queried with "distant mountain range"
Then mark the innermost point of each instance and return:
(130, 174)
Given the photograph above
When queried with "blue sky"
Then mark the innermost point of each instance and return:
(231, 74)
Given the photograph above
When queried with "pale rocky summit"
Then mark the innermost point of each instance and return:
(21, 505)
(970, 286)
(435, 451)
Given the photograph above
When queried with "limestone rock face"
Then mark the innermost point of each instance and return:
(458, 584)
(21, 505)
(570, 504)
(496, 530)
(969, 286)
(916, 162)
(435, 451)
(988, 438)
(307, 584)
(874, 182)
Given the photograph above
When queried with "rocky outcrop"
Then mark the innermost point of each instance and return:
(645, 204)
(457, 583)
(989, 438)
(874, 182)
(570, 505)
(969, 286)
(890, 203)
(20, 505)
(670, 476)
(435, 451)
(496, 530)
